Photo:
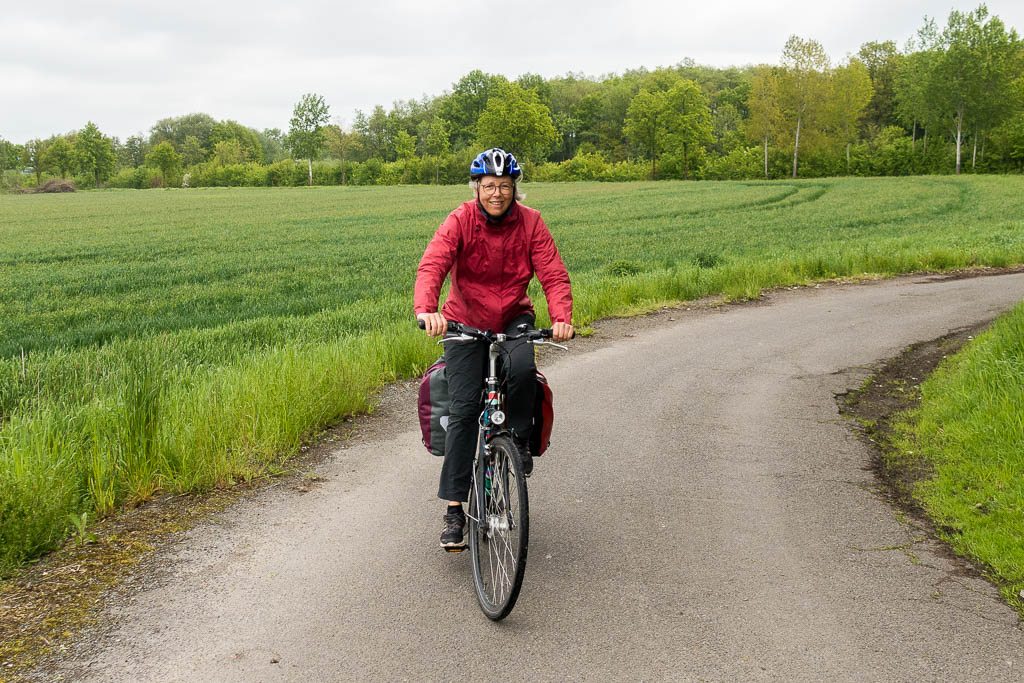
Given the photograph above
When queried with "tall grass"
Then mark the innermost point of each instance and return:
(181, 340)
(969, 430)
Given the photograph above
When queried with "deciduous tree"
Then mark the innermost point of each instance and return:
(516, 120)
(913, 108)
(803, 88)
(405, 148)
(689, 119)
(953, 83)
(1002, 63)
(177, 128)
(850, 94)
(568, 128)
(32, 154)
(164, 157)
(766, 117)
(10, 155)
(306, 135)
(883, 62)
(463, 107)
(376, 133)
(536, 83)
(132, 153)
(726, 122)
(272, 142)
(59, 155)
(248, 139)
(968, 80)
(94, 152)
(341, 144)
(438, 143)
(192, 151)
(646, 125)
(227, 152)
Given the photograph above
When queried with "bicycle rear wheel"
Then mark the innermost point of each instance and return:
(499, 534)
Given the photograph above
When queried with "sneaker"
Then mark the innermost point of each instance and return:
(525, 458)
(453, 535)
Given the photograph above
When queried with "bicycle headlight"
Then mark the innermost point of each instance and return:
(498, 417)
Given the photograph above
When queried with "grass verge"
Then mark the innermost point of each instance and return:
(950, 430)
(969, 430)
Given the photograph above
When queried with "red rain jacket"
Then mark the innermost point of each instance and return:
(491, 265)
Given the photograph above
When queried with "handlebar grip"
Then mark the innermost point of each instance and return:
(452, 325)
(547, 333)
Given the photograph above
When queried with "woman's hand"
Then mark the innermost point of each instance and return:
(435, 324)
(561, 331)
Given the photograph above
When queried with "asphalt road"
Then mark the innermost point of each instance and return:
(703, 514)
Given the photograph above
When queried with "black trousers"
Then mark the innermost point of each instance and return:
(466, 368)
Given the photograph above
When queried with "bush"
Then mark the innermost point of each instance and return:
(455, 168)
(326, 173)
(548, 173)
(212, 174)
(367, 172)
(888, 153)
(285, 173)
(584, 167)
(742, 163)
(391, 173)
(673, 165)
(11, 180)
(626, 170)
(1005, 148)
(590, 166)
(140, 178)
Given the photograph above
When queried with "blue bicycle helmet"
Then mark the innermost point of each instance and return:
(494, 161)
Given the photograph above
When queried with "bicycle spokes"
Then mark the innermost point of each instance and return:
(499, 537)
(501, 532)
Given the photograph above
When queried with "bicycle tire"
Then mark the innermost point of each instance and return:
(499, 551)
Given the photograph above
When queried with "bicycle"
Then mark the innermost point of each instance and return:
(499, 509)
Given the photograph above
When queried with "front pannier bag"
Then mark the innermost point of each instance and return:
(434, 402)
(433, 407)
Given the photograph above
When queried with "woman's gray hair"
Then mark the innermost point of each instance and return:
(516, 192)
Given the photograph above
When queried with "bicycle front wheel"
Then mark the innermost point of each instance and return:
(499, 534)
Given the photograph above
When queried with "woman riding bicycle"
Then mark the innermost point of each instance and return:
(492, 246)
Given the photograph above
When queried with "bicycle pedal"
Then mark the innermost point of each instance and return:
(453, 549)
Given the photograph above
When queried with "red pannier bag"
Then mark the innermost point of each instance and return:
(434, 403)
(433, 407)
(543, 417)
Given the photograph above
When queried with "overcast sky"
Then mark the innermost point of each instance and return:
(126, 64)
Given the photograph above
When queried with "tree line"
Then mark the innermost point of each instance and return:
(951, 99)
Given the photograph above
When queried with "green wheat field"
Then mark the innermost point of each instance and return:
(178, 340)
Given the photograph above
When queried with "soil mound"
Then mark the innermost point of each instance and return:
(56, 185)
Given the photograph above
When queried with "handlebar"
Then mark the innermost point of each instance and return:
(488, 336)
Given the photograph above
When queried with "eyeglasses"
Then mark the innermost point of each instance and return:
(491, 188)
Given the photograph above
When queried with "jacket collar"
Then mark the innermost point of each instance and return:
(510, 215)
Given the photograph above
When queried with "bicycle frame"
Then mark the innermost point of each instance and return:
(491, 419)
